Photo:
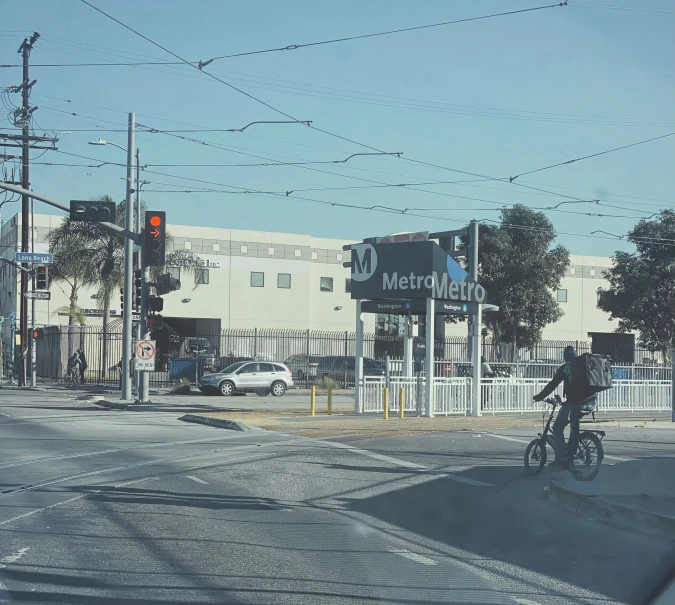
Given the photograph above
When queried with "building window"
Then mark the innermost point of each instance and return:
(592, 272)
(338, 257)
(348, 284)
(174, 272)
(216, 247)
(244, 249)
(562, 296)
(201, 276)
(572, 271)
(298, 253)
(284, 281)
(188, 245)
(257, 279)
(270, 251)
(326, 284)
(315, 256)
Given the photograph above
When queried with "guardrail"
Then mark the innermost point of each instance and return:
(507, 395)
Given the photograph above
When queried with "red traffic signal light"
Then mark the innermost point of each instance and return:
(38, 334)
(41, 277)
(154, 244)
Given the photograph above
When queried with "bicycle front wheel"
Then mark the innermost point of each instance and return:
(535, 456)
(587, 459)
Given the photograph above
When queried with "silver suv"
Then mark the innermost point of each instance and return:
(248, 377)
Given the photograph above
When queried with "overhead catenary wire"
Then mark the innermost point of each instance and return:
(593, 155)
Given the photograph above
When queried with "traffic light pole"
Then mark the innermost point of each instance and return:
(33, 351)
(127, 324)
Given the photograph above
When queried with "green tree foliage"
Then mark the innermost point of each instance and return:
(642, 283)
(521, 274)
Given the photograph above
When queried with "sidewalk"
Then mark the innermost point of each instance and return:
(638, 495)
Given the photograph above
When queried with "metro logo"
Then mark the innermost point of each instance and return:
(364, 262)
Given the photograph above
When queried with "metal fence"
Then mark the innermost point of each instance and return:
(310, 354)
(509, 395)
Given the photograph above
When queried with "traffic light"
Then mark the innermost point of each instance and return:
(138, 290)
(41, 277)
(93, 211)
(154, 244)
(155, 322)
(155, 304)
(38, 334)
(166, 283)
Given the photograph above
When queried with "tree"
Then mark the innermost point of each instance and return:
(641, 284)
(520, 273)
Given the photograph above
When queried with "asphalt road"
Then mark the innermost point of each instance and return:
(116, 507)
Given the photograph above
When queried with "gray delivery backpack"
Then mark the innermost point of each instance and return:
(591, 374)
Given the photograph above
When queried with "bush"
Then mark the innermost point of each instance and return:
(323, 384)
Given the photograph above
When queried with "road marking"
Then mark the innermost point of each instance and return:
(5, 561)
(524, 441)
(413, 556)
(197, 479)
(406, 464)
(4, 594)
(524, 601)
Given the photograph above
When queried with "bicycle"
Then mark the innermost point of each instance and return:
(584, 451)
(72, 377)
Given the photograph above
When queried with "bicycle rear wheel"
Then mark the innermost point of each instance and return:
(535, 456)
(587, 459)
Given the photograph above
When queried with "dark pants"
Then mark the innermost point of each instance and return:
(570, 413)
(82, 369)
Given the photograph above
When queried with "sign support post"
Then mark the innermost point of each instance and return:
(429, 390)
(358, 361)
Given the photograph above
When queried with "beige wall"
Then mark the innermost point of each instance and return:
(232, 255)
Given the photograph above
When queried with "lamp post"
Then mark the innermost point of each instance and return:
(128, 258)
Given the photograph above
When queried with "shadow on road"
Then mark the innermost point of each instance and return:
(527, 531)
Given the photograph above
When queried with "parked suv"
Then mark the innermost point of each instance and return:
(341, 368)
(260, 377)
(302, 366)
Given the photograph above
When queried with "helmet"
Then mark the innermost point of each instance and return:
(569, 353)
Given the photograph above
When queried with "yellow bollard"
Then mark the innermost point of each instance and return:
(386, 403)
(312, 402)
(401, 402)
(330, 401)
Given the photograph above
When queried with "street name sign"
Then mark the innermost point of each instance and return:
(39, 295)
(38, 258)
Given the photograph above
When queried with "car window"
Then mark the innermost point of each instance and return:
(234, 367)
(265, 367)
(249, 368)
(278, 368)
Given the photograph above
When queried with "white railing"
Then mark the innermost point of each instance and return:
(514, 395)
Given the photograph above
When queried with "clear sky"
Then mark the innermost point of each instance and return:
(496, 97)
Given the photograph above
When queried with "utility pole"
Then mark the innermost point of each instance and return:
(24, 50)
(128, 266)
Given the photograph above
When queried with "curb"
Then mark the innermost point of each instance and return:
(621, 515)
(221, 423)
(113, 405)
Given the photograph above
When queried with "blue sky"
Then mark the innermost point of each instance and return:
(496, 97)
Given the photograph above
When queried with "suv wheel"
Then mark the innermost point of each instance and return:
(226, 388)
(278, 388)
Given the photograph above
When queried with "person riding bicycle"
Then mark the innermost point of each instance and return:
(73, 364)
(573, 408)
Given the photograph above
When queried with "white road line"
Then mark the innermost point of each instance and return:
(407, 464)
(524, 441)
(197, 479)
(524, 601)
(132, 482)
(413, 556)
(5, 561)
(5, 597)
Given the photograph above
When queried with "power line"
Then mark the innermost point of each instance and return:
(623, 8)
(384, 33)
(593, 155)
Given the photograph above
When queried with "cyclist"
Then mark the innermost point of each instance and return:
(573, 408)
(73, 366)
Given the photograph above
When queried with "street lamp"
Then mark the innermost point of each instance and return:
(128, 256)
(102, 142)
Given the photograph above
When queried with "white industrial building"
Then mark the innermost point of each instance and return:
(255, 279)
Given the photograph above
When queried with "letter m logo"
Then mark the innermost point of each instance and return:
(364, 262)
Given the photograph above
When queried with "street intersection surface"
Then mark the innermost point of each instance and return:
(127, 508)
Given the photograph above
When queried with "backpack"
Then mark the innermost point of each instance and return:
(591, 374)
